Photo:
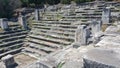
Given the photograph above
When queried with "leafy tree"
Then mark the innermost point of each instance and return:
(79, 1)
(32, 3)
(7, 7)
(25, 3)
(65, 1)
(82, 1)
(52, 2)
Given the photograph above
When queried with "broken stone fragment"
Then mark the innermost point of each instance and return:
(44, 63)
(101, 58)
(8, 61)
(97, 37)
(76, 45)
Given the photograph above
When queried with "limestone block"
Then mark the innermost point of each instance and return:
(23, 22)
(80, 35)
(106, 15)
(96, 26)
(43, 63)
(111, 41)
(76, 45)
(8, 61)
(4, 23)
(72, 64)
(101, 58)
(37, 16)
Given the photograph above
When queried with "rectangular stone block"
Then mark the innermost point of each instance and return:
(4, 23)
(101, 58)
(106, 15)
(96, 26)
(23, 22)
(37, 16)
(8, 61)
(81, 35)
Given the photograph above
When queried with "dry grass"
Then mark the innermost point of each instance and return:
(1, 29)
(104, 27)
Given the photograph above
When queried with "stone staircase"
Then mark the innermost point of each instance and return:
(49, 36)
(56, 30)
(11, 41)
(14, 26)
(90, 13)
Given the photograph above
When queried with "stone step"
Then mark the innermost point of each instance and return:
(6, 49)
(13, 24)
(12, 38)
(61, 33)
(34, 51)
(53, 35)
(96, 13)
(10, 32)
(91, 16)
(6, 44)
(83, 17)
(55, 25)
(14, 51)
(69, 20)
(51, 13)
(68, 26)
(65, 29)
(72, 17)
(41, 47)
(15, 27)
(42, 27)
(61, 41)
(56, 32)
(41, 24)
(13, 34)
(52, 19)
(56, 22)
(62, 23)
(44, 43)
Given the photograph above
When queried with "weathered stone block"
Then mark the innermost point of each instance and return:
(81, 35)
(76, 45)
(106, 15)
(96, 26)
(37, 16)
(4, 23)
(23, 22)
(8, 61)
(101, 58)
(44, 63)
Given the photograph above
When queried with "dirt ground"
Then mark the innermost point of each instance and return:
(23, 60)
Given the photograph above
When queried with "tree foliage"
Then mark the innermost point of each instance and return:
(27, 3)
(82, 1)
(66, 1)
(7, 7)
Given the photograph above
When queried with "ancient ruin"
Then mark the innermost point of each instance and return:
(63, 36)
